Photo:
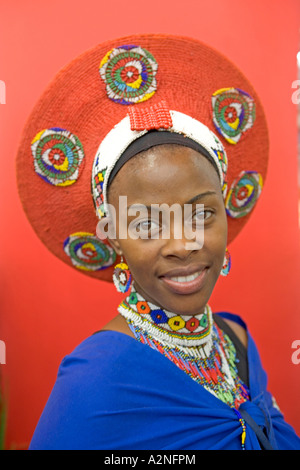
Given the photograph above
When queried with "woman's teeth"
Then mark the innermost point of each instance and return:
(189, 278)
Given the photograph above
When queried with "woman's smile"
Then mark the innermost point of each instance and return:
(186, 284)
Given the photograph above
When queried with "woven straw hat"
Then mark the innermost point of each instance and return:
(92, 95)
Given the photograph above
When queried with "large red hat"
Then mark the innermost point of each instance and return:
(111, 84)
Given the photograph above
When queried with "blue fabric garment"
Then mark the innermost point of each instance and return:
(114, 393)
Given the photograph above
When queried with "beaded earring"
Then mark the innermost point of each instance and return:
(227, 264)
(122, 276)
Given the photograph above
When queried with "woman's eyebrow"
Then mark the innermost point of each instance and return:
(195, 198)
(200, 196)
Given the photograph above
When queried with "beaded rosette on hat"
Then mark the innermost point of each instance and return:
(106, 99)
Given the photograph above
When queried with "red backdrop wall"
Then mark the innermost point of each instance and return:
(47, 308)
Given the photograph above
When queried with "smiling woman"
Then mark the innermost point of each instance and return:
(166, 373)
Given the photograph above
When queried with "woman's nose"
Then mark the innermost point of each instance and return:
(182, 243)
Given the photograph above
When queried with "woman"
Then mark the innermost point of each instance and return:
(175, 178)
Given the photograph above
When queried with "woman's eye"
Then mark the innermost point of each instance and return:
(203, 214)
(147, 225)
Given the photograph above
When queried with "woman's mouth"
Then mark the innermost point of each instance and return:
(187, 284)
(185, 278)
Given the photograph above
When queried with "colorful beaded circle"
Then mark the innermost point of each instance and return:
(129, 74)
(58, 156)
(233, 113)
(243, 194)
(87, 252)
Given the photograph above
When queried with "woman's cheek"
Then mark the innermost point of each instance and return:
(141, 259)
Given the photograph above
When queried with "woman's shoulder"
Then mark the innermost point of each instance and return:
(237, 325)
(98, 351)
(118, 324)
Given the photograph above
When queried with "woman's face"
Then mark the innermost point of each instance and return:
(165, 272)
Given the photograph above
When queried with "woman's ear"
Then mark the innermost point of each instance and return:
(115, 245)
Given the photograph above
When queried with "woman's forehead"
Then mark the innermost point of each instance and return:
(166, 170)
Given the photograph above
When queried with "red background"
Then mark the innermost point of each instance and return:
(47, 308)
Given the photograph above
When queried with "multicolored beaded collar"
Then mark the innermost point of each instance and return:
(170, 328)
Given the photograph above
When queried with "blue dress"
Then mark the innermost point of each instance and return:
(115, 393)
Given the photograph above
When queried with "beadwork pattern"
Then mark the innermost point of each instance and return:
(58, 156)
(227, 264)
(87, 252)
(97, 190)
(233, 113)
(217, 372)
(243, 194)
(122, 277)
(242, 423)
(223, 161)
(129, 74)
(192, 332)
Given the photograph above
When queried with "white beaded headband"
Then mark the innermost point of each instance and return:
(135, 125)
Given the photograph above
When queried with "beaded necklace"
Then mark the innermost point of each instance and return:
(169, 327)
(197, 346)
